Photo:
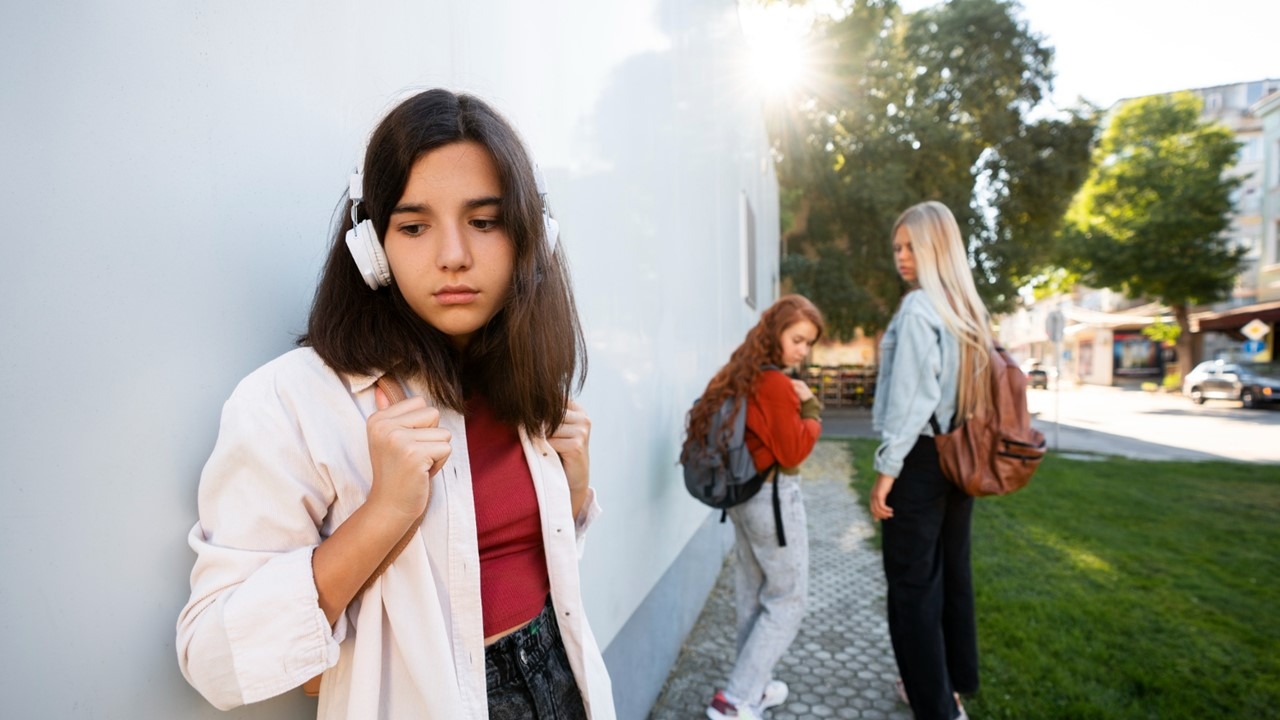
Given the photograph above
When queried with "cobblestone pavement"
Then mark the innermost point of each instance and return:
(841, 664)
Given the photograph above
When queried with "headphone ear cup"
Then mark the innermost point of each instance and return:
(552, 230)
(362, 243)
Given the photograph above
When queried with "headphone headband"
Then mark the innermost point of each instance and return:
(366, 247)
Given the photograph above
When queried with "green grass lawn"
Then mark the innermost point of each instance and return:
(1127, 589)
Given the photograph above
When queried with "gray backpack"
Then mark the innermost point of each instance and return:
(723, 479)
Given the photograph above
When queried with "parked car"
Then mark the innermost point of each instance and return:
(1037, 377)
(1253, 384)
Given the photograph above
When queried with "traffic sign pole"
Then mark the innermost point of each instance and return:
(1054, 323)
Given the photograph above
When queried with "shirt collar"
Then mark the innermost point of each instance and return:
(360, 383)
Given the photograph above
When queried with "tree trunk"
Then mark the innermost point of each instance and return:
(1185, 361)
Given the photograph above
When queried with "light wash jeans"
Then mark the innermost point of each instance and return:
(771, 584)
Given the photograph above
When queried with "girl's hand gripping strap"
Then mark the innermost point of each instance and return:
(395, 394)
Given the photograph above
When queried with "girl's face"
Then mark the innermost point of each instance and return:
(903, 258)
(448, 253)
(796, 341)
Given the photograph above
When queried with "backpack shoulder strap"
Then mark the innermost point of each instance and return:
(777, 507)
(395, 393)
(391, 388)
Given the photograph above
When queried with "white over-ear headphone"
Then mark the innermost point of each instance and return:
(549, 225)
(366, 247)
(363, 242)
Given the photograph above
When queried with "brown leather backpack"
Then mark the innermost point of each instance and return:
(997, 452)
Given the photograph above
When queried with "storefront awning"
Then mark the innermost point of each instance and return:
(1236, 318)
(1097, 318)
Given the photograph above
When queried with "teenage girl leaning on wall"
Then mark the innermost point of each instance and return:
(933, 365)
(783, 424)
(453, 287)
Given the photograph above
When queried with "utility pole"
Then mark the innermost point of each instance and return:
(1053, 327)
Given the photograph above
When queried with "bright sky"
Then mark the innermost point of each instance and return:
(1107, 50)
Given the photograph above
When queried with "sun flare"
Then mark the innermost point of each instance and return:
(777, 34)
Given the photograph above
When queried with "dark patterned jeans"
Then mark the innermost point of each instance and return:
(528, 674)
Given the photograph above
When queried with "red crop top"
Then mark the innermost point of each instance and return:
(513, 568)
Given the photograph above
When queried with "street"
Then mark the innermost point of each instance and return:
(1157, 426)
(1116, 421)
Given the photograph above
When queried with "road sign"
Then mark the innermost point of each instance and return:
(1253, 347)
(1255, 329)
(1053, 324)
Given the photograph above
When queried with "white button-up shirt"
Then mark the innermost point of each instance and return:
(290, 465)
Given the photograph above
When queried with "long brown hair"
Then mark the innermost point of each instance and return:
(526, 360)
(762, 346)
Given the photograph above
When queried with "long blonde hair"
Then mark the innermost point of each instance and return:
(943, 272)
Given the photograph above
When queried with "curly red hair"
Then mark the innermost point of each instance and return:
(762, 346)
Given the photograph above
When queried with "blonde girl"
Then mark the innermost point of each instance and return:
(932, 373)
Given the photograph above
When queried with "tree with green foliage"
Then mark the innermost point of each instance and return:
(1151, 218)
(931, 105)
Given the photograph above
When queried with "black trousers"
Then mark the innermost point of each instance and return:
(926, 564)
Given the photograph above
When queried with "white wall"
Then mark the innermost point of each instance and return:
(171, 170)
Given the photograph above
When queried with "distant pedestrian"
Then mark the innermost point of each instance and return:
(933, 366)
(783, 423)
(419, 552)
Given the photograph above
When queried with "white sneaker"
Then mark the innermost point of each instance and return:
(721, 709)
(775, 693)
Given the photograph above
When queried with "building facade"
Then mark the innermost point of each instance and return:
(1104, 343)
(1232, 106)
(178, 166)
(1267, 110)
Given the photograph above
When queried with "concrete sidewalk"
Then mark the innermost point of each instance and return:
(841, 664)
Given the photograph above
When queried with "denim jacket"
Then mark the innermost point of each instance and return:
(918, 376)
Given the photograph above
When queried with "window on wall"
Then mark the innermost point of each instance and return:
(1252, 245)
(747, 234)
(1275, 165)
(1250, 201)
(1253, 93)
(1251, 149)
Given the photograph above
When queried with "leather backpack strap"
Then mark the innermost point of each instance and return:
(391, 388)
(395, 394)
